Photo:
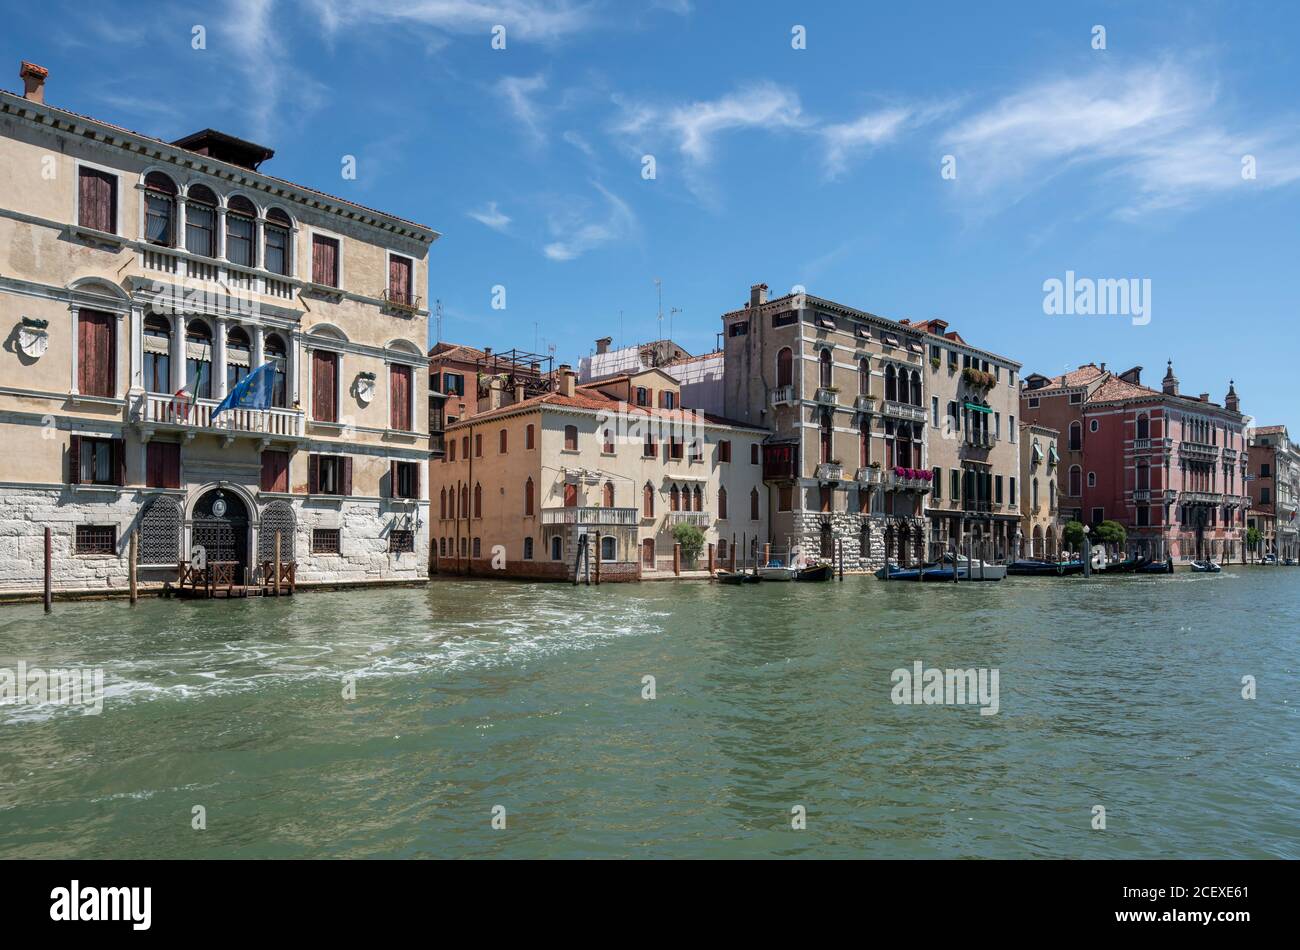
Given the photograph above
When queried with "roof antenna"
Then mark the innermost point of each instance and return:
(670, 320)
(439, 308)
(659, 286)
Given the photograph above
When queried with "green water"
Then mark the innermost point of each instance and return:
(1121, 692)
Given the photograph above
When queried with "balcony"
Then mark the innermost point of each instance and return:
(1202, 498)
(830, 472)
(407, 302)
(783, 396)
(827, 396)
(1170, 496)
(868, 476)
(700, 519)
(160, 411)
(976, 505)
(186, 266)
(1198, 451)
(1141, 495)
(895, 482)
(592, 515)
(976, 443)
(902, 410)
(864, 403)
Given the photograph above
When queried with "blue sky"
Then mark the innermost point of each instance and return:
(818, 167)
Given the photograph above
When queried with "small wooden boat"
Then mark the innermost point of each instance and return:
(738, 577)
(822, 572)
(1158, 567)
(1127, 566)
(930, 572)
(1206, 567)
(1037, 568)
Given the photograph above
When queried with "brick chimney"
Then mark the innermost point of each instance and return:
(519, 392)
(757, 294)
(567, 379)
(1231, 402)
(602, 345)
(33, 78)
(1169, 386)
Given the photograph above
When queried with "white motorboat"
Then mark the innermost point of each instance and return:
(775, 570)
(977, 569)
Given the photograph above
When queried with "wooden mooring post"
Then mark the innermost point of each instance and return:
(133, 561)
(277, 564)
(49, 583)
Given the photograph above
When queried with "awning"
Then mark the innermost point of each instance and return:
(1052, 457)
(977, 408)
(1038, 452)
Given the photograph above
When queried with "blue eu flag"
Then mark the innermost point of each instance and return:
(251, 392)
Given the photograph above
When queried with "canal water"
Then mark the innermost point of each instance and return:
(527, 702)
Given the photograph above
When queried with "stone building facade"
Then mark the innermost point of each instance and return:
(843, 393)
(139, 281)
(607, 470)
(1040, 470)
(1274, 493)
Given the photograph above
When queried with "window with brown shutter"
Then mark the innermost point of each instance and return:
(404, 479)
(97, 200)
(96, 353)
(163, 464)
(502, 441)
(753, 504)
(329, 475)
(528, 498)
(724, 451)
(275, 471)
(399, 279)
(571, 438)
(399, 381)
(93, 461)
(324, 260)
(528, 436)
(324, 385)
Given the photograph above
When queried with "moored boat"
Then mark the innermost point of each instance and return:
(820, 572)
(1158, 567)
(1039, 568)
(1206, 567)
(737, 577)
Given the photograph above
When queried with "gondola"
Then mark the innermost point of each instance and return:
(1035, 568)
(1206, 567)
(930, 572)
(1158, 567)
(730, 577)
(1129, 566)
(822, 572)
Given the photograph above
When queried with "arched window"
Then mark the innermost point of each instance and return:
(442, 504)
(275, 241)
(157, 347)
(529, 510)
(864, 443)
(1076, 436)
(240, 231)
(891, 384)
(442, 547)
(916, 388)
(785, 367)
(608, 498)
(753, 504)
(274, 353)
(478, 501)
(159, 209)
(608, 548)
(1051, 492)
(201, 221)
(1076, 481)
(648, 501)
(827, 436)
(1034, 488)
(464, 502)
(864, 376)
(1143, 427)
(557, 549)
(502, 441)
(722, 503)
(478, 547)
(1143, 475)
(674, 499)
(239, 356)
(827, 369)
(528, 549)
(198, 359)
(699, 498)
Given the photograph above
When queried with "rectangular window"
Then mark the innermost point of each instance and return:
(1098, 515)
(997, 489)
(401, 542)
(329, 475)
(324, 541)
(785, 498)
(405, 479)
(954, 484)
(96, 539)
(1011, 428)
(97, 200)
(162, 464)
(478, 445)
(158, 218)
(934, 411)
(399, 398)
(997, 425)
(1012, 483)
(1033, 402)
(1143, 516)
(937, 482)
(648, 450)
(675, 448)
(724, 450)
(275, 470)
(785, 319)
(324, 260)
(96, 461)
(739, 328)
(324, 385)
(453, 384)
(96, 353)
(276, 250)
(1076, 398)
(528, 436)
(399, 279)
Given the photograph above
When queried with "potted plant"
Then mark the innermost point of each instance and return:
(934, 362)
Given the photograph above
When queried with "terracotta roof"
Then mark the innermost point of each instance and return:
(171, 145)
(456, 351)
(1115, 389)
(1270, 430)
(596, 401)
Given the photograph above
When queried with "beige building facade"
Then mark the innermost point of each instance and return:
(591, 481)
(140, 281)
(1040, 470)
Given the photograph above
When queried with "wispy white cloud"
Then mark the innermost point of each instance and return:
(862, 135)
(1157, 134)
(275, 86)
(580, 143)
(576, 230)
(518, 93)
(491, 216)
(528, 20)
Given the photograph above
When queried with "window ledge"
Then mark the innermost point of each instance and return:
(77, 398)
(93, 236)
(102, 489)
(323, 290)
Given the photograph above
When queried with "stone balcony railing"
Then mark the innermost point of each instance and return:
(864, 403)
(868, 476)
(185, 265)
(591, 515)
(1202, 498)
(895, 482)
(1198, 451)
(830, 472)
(782, 396)
(701, 519)
(160, 411)
(902, 410)
(1145, 445)
(826, 396)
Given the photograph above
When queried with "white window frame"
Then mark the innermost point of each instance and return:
(312, 231)
(117, 174)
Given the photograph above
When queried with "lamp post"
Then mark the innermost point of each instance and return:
(1087, 551)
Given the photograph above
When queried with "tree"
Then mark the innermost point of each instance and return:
(1110, 532)
(1072, 535)
(1252, 540)
(691, 539)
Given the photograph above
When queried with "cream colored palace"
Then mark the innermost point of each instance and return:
(133, 270)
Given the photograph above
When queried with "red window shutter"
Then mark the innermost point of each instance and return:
(119, 461)
(649, 397)
(399, 414)
(325, 261)
(399, 278)
(97, 207)
(324, 385)
(313, 474)
(172, 468)
(95, 353)
(275, 471)
(74, 460)
(347, 475)
(417, 478)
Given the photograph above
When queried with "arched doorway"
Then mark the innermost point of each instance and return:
(220, 526)
(1038, 549)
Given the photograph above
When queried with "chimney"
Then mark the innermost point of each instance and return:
(1204, 397)
(602, 345)
(1170, 384)
(33, 78)
(519, 392)
(757, 294)
(487, 351)
(1231, 402)
(1133, 375)
(567, 377)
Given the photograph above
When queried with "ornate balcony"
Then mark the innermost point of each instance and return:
(158, 411)
(895, 482)
(783, 396)
(827, 396)
(1202, 498)
(1141, 495)
(902, 410)
(184, 265)
(864, 403)
(701, 519)
(1198, 451)
(830, 472)
(868, 476)
(592, 515)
